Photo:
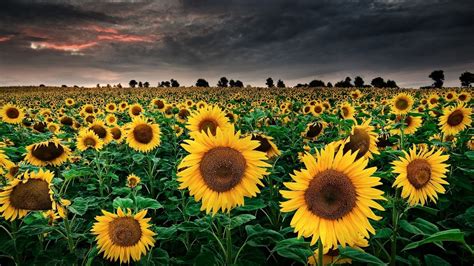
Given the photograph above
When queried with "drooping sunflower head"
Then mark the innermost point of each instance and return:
(142, 135)
(402, 103)
(88, 139)
(123, 236)
(30, 193)
(362, 139)
(455, 119)
(117, 133)
(313, 130)
(222, 169)
(266, 145)
(207, 119)
(410, 124)
(159, 104)
(347, 111)
(101, 130)
(333, 197)
(12, 114)
(50, 152)
(421, 175)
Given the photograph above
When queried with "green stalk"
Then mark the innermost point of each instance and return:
(70, 243)
(320, 252)
(229, 242)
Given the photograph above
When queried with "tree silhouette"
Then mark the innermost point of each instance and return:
(231, 83)
(132, 83)
(391, 84)
(238, 84)
(146, 84)
(202, 83)
(164, 84)
(119, 86)
(438, 77)
(466, 79)
(140, 84)
(378, 82)
(280, 84)
(329, 85)
(174, 83)
(222, 82)
(315, 83)
(270, 83)
(358, 82)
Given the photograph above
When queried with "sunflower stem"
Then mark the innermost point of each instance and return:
(320, 252)
(229, 241)
(67, 226)
(395, 217)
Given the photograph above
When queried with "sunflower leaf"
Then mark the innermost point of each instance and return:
(358, 255)
(449, 235)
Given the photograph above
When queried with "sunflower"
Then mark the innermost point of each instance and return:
(135, 110)
(143, 136)
(331, 256)
(123, 235)
(117, 133)
(101, 130)
(347, 111)
(313, 130)
(470, 144)
(33, 192)
(222, 169)
(54, 128)
(410, 124)
(464, 96)
(266, 145)
(451, 96)
(88, 139)
(10, 168)
(159, 104)
(12, 114)
(111, 119)
(50, 152)
(178, 130)
(433, 100)
(133, 181)
(421, 175)
(362, 139)
(333, 198)
(402, 103)
(69, 102)
(111, 108)
(207, 119)
(317, 109)
(455, 119)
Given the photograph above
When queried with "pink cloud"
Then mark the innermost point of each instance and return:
(73, 48)
(124, 38)
(5, 38)
(98, 28)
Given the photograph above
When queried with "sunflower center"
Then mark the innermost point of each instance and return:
(47, 152)
(433, 100)
(116, 133)
(318, 109)
(183, 113)
(314, 130)
(99, 130)
(222, 168)
(159, 104)
(67, 121)
(12, 113)
(32, 195)
(333, 252)
(264, 143)
(419, 173)
(89, 142)
(449, 96)
(401, 104)
(125, 231)
(455, 118)
(14, 170)
(345, 111)
(143, 133)
(462, 97)
(40, 126)
(208, 125)
(136, 110)
(330, 195)
(307, 109)
(360, 141)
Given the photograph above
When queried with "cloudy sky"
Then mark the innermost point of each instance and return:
(90, 42)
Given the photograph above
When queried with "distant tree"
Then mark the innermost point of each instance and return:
(438, 77)
(238, 84)
(270, 83)
(329, 85)
(108, 86)
(378, 82)
(466, 79)
(140, 84)
(391, 84)
(202, 83)
(174, 83)
(299, 85)
(98, 85)
(119, 86)
(146, 84)
(358, 82)
(166, 84)
(347, 82)
(231, 83)
(132, 83)
(63, 86)
(280, 84)
(317, 83)
(222, 82)
(75, 86)
(42, 85)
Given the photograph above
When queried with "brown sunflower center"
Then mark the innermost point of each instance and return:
(90, 119)
(314, 130)
(66, 121)
(183, 113)
(318, 109)
(208, 125)
(14, 170)
(455, 118)
(359, 140)
(433, 100)
(125, 231)
(40, 126)
(449, 96)
(307, 109)
(136, 110)
(99, 130)
(116, 133)
(32, 195)
(345, 111)
(47, 152)
(401, 104)
(13, 113)
(89, 110)
(333, 252)
(143, 133)
(330, 195)
(462, 97)
(264, 143)
(160, 104)
(89, 142)
(222, 168)
(419, 173)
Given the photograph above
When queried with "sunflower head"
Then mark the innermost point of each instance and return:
(101, 130)
(455, 119)
(133, 181)
(266, 145)
(362, 139)
(88, 139)
(142, 135)
(402, 103)
(12, 114)
(207, 120)
(50, 152)
(313, 130)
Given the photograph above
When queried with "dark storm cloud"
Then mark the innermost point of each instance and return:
(249, 40)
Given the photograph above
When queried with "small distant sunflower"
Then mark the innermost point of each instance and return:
(451, 96)
(313, 130)
(317, 109)
(133, 181)
(421, 175)
(12, 114)
(88, 139)
(455, 119)
(143, 136)
(111, 108)
(410, 124)
(470, 144)
(178, 130)
(347, 111)
(464, 96)
(402, 103)
(117, 133)
(123, 236)
(135, 110)
(333, 198)
(159, 104)
(266, 145)
(111, 119)
(433, 100)
(222, 170)
(207, 119)
(54, 128)
(363, 139)
(69, 102)
(50, 152)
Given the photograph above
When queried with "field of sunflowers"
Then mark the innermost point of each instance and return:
(249, 176)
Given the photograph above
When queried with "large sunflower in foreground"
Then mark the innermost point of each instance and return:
(455, 119)
(30, 193)
(143, 136)
(221, 170)
(421, 175)
(12, 114)
(363, 139)
(207, 119)
(123, 236)
(50, 152)
(402, 103)
(333, 197)
(88, 139)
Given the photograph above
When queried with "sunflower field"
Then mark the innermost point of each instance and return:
(236, 176)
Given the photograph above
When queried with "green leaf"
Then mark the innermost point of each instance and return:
(427, 209)
(435, 260)
(470, 155)
(79, 206)
(164, 233)
(260, 237)
(253, 204)
(449, 235)
(138, 158)
(123, 203)
(147, 203)
(383, 233)
(358, 255)
(427, 227)
(241, 219)
(295, 249)
(405, 225)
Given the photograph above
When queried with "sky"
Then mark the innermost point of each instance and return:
(88, 42)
